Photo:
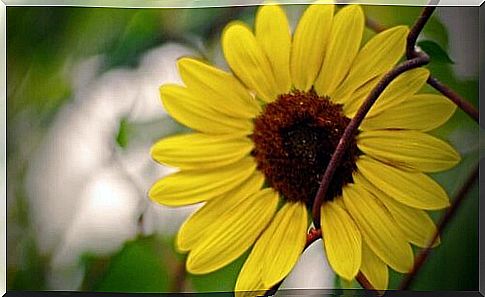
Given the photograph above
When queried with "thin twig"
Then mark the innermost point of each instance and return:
(364, 282)
(453, 96)
(374, 25)
(444, 221)
(312, 236)
(351, 130)
(416, 30)
(178, 284)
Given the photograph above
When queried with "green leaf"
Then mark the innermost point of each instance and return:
(139, 267)
(122, 135)
(435, 51)
(30, 275)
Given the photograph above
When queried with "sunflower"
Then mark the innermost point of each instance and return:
(264, 133)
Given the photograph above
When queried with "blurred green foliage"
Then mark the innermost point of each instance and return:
(140, 266)
(45, 43)
(221, 280)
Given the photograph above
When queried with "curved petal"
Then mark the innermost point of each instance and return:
(214, 211)
(249, 282)
(416, 224)
(273, 34)
(378, 228)
(189, 187)
(408, 149)
(419, 112)
(231, 237)
(343, 46)
(353, 103)
(248, 61)
(309, 44)
(414, 189)
(343, 242)
(201, 151)
(193, 112)
(221, 89)
(374, 269)
(401, 88)
(378, 56)
(404, 86)
(284, 240)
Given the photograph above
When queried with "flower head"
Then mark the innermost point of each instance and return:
(263, 137)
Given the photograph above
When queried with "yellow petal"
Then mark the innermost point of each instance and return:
(344, 43)
(285, 239)
(414, 189)
(343, 242)
(193, 112)
(402, 87)
(309, 44)
(214, 211)
(273, 34)
(419, 112)
(355, 100)
(234, 234)
(374, 269)
(378, 56)
(189, 187)
(378, 228)
(249, 282)
(408, 149)
(201, 151)
(248, 61)
(415, 224)
(219, 89)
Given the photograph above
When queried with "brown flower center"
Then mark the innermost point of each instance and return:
(295, 138)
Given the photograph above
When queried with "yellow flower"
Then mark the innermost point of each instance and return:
(263, 136)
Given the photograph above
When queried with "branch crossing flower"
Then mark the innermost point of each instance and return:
(264, 134)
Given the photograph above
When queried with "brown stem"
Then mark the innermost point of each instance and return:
(453, 96)
(374, 25)
(444, 221)
(350, 131)
(312, 236)
(178, 284)
(364, 282)
(416, 30)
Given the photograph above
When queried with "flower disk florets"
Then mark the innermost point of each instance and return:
(295, 138)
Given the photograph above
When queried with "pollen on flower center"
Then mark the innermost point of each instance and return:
(295, 138)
